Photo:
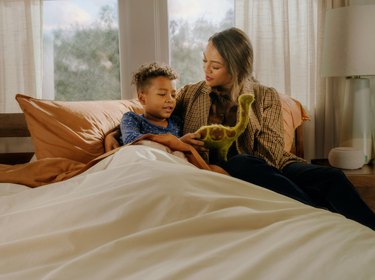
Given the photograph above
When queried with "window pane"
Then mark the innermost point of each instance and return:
(81, 50)
(191, 23)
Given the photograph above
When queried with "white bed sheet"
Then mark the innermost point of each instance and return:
(145, 214)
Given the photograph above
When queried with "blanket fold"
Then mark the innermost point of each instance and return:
(50, 170)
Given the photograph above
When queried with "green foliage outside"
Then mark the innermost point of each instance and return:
(86, 60)
(187, 43)
(87, 65)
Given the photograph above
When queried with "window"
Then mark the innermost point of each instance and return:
(191, 23)
(81, 50)
(81, 43)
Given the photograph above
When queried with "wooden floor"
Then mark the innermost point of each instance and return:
(366, 188)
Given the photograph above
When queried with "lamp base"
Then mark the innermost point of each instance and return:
(356, 131)
(346, 158)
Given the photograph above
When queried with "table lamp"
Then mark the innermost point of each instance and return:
(349, 51)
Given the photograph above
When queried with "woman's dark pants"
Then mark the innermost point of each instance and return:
(319, 186)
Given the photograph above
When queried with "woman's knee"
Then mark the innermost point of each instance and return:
(258, 171)
(334, 175)
(245, 164)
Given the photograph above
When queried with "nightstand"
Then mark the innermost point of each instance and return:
(363, 180)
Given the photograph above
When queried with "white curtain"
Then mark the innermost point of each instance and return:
(287, 39)
(20, 51)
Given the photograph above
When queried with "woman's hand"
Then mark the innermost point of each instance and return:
(110, 141)
(193, 139)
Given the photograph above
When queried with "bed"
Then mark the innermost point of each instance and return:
(142, 212)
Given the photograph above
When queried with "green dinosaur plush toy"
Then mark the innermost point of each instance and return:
(220, 137)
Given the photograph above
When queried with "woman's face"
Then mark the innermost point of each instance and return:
(215, 68)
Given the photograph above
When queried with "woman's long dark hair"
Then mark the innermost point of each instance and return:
(235, 48)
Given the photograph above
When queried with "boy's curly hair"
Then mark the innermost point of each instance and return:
(148, 71)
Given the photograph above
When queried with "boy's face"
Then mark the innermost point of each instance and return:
(158, 98)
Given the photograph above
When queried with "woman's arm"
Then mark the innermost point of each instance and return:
(110, 140)
(180, 102)
(270, 141)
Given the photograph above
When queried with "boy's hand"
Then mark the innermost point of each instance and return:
(193, 139)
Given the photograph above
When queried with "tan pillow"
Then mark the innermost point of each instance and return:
(72, 129)
(294, 115)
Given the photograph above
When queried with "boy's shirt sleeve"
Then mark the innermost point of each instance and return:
(130, 128)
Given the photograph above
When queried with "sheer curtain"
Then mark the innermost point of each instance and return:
(21, 51)
(287, 39)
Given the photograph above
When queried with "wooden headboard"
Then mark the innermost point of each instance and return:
(14, 125)
(298, 147)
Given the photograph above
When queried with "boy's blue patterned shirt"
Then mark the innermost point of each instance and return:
(134, 126)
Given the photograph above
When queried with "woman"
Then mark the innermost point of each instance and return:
(260, 157)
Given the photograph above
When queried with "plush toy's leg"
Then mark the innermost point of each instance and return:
(223, 153)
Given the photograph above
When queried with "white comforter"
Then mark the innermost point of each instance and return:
(145, 214)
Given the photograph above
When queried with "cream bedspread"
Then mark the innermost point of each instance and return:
(145, 214)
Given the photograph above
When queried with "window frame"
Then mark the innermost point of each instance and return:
(143, 37)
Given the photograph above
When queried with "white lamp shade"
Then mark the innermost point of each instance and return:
(349, 42)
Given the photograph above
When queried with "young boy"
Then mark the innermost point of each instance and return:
(156, 89)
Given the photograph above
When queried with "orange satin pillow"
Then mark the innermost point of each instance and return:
(76, 129)
(293, 116)
(72, 129)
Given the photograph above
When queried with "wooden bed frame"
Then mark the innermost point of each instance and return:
(14, 125)
(298, 147)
